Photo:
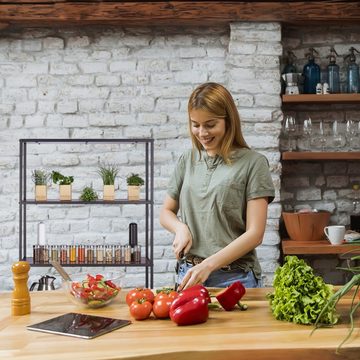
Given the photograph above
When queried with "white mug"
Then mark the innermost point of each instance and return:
(335, 233)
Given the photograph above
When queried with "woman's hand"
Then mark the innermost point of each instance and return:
(168, 218)
(182, 241)
(198, 274)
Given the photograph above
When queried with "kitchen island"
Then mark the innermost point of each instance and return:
(252, 334)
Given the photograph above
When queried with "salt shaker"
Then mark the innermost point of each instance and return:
(326, 89)
(319, 88)
(20, 302)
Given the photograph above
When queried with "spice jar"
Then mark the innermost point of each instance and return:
(99, 254)
(127, 253)
(72, 256)
(63, 254)
(81, 254)
(118, 254)
(137, 253)
(36, 254)
(90, 255)
(108, 254)
(54, 253)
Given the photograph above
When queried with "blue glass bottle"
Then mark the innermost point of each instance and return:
(333, 73)
(311, 73)
(353, 81)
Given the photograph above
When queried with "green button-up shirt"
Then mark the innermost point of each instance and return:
(213, 198)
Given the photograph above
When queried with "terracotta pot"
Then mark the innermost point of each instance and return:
(40, 192)
(306, 226)
(133, 192)
(109, 192)
(65, 192)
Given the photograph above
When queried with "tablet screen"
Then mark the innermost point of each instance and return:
(79, 325)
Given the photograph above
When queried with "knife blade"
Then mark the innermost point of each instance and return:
(181, 260)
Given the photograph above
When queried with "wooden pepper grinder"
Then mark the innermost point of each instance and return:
(20, 302)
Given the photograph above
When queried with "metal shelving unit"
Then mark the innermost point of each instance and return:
(148, 202)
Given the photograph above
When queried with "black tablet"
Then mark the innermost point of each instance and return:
(79, 325)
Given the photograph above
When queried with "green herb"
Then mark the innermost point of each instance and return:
(134, 180)
(60, 179)
(40, 177)
(88, 194)
(108, 174)
(330, 305)
(299, 295)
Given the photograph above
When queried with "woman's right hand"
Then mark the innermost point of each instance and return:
(182, 241)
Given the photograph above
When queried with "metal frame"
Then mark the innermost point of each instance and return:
(147, 261)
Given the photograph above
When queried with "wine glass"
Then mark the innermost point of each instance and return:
(351, 134)
(305, 143)
(338, 138)
(290, 133)
(319, 140)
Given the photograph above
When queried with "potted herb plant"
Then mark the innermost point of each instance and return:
(41, 179)
(88, 194)
(108, 174)
(64, 185)
(134, 181)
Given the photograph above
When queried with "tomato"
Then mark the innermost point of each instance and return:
(139, 293)
(161, 306)
(173, 295)
(140, 309)
(167, 293)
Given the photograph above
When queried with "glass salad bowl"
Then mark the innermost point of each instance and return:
(92, 291)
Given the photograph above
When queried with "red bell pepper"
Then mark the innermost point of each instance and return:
(231, 296)
(195, 289)
(191, 306)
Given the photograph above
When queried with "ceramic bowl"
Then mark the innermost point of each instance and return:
(307, 226)
(92, 291)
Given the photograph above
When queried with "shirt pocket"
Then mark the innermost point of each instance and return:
(232, 195)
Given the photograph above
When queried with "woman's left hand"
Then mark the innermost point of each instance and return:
(198, 274)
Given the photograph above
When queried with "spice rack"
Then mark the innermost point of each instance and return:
(145, 261)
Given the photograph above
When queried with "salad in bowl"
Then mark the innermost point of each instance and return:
(92, 291)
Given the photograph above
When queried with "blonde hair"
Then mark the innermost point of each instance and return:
(215, 99)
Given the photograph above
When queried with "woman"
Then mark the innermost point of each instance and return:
(222, 190)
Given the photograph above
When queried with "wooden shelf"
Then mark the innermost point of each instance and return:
(292, 247)
(42, 13)
(328, 98)
(327, 155)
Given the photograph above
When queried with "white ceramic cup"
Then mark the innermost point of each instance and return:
(335, 233)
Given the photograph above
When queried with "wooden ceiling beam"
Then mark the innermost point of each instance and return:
(195, 13)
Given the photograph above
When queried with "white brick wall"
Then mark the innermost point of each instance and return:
(125, 83)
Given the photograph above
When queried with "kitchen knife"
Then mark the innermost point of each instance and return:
(181, 260)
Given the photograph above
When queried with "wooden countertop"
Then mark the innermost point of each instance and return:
(252, 334)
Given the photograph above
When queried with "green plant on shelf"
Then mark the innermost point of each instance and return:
(88, 194)
(108, 173)
(60, 179)
(134, 180)
(40, 177)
